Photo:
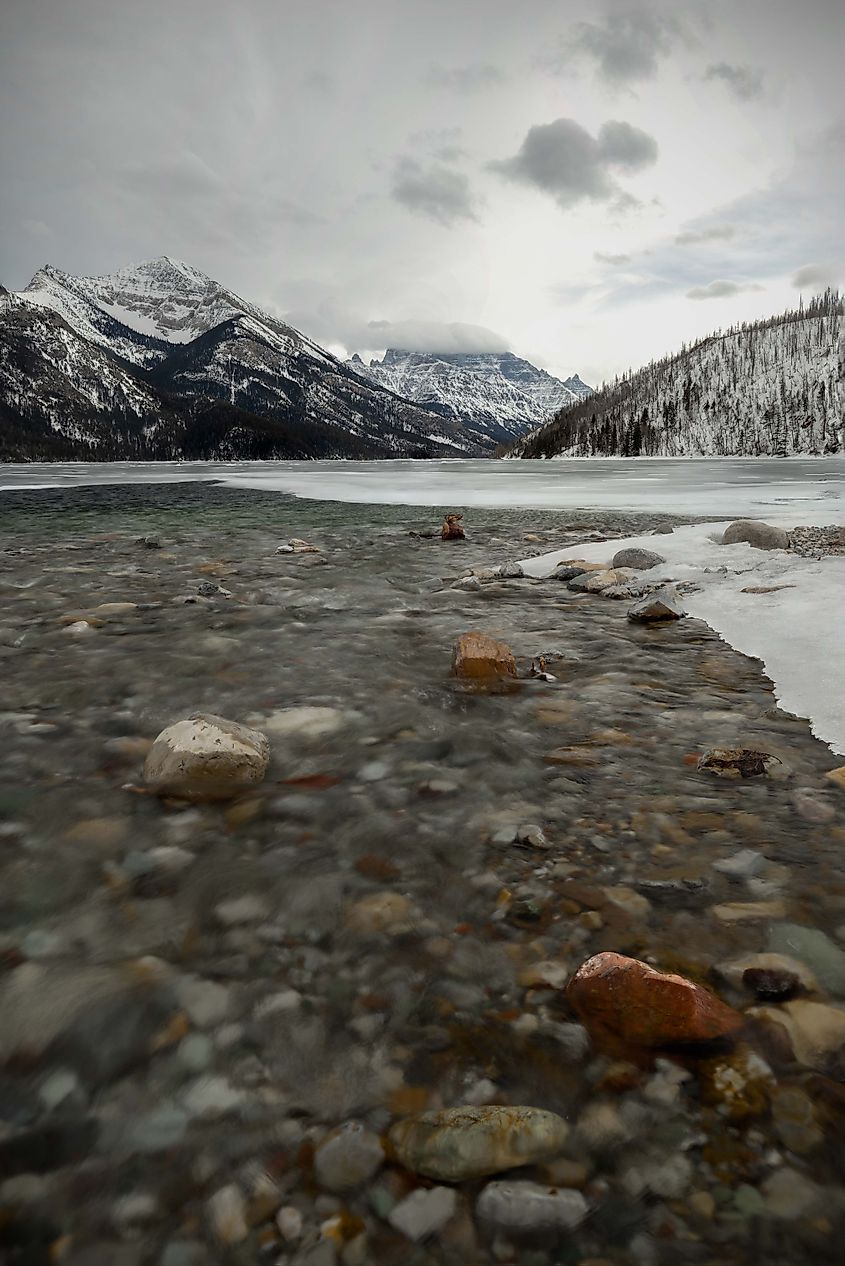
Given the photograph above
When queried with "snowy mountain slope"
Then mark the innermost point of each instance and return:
(63, 397)
(496, 395)
(171, 328)
(771, 387)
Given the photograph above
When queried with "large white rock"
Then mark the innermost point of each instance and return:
(206, 758)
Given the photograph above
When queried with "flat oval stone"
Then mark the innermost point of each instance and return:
(457, 1144)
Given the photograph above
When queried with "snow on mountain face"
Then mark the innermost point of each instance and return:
(495, 394)
(171, 329)
(774, 387)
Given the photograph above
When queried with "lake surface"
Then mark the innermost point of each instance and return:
(800, 489)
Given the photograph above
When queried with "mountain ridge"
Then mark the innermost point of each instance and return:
(162, 335)
(769, 387)
(497, 394)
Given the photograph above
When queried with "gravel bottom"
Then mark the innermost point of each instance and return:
(194, 999)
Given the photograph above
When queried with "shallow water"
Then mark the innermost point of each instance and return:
(293, 1020)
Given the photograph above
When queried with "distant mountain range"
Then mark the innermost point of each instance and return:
(497, 396)
(158, 361)
(772, 387)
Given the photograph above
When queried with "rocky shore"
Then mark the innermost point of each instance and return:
(525, 947)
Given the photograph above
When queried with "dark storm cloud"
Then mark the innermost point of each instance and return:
(625, 47)
(467, 80)
(743, 81)
(721, 289)
(713, 233)
(439, 193)
(563, 159)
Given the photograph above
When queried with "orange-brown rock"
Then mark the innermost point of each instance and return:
(452, 530)
(478, 656)
(620, 999)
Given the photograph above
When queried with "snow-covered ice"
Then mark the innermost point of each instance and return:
(797, 632)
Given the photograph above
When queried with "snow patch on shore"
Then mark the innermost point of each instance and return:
(797, 632)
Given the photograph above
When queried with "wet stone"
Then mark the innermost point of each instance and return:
(461, 1143)
(424, 1212)
(529, 1207)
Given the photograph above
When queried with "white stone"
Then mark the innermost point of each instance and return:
(206, 757)
(289, 1222)
(206, 1002)
(423, 1212)
(227, 1214)
(250, 908)
(306, 722)
(212, 1097)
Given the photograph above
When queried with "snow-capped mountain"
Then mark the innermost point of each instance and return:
(123, 365)
(495, 395)
(773, 387)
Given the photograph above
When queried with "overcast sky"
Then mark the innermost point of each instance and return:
(587, 184)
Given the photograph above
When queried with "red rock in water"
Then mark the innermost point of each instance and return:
(452, 530)
(622, 999)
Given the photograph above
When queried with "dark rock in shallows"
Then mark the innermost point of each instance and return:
(661, 605)
(641, 559)
(737, 762)
(568, 571)
(753, 532)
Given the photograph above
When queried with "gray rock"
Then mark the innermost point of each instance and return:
(511, 571)
(663, 604)
(663, 529)
(531, 836)
(568, 571)
(456, 1144)
(423, 1212)
(529, 1207)
(789, 1195)
(639, 559)
(809, 945)
(348, 1158)
(741, 865)
(753, 532)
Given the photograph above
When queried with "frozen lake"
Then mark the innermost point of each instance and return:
(798, 489)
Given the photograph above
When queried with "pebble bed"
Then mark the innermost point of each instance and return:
(212, 1017)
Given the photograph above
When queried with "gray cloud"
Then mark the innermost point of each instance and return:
(712, 233)
(331, 322)
(743, 81)
(615, 261)
(435, 191)
(815, 276)
(721, 289)
(564, 160)
(467, 80)
(626, 48)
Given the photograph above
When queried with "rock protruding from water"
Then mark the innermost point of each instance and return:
(738, 762)
(622, 999)
(639, 559)
(457, 1144)
(479, 657)
(756, 533)
(658, 607)
(451, 529)
(206, 757)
